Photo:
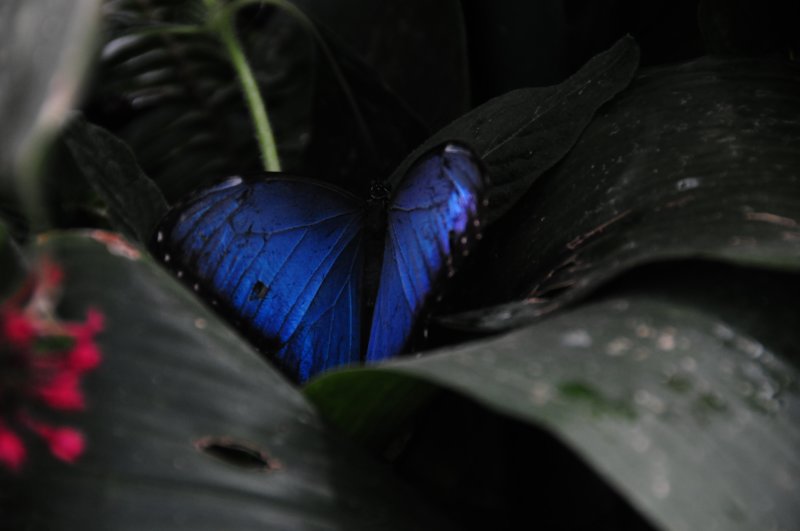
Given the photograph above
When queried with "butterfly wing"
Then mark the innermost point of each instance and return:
(283, 258)
(433, 220)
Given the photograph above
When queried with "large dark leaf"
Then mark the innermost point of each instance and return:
(693, 420)
(133, 201)
(172, 377)
(695, 160)
(524, 133)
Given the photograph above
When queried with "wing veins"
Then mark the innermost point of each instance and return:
(327, 310)
(318, 268)
(398, 255)
(307, 226)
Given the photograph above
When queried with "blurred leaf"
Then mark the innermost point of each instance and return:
(694, 422)
(133, 200)
(172, 376)
(47, 48)
(694, 160)
(524, 133)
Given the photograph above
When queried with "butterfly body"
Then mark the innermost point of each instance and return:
(317, 277)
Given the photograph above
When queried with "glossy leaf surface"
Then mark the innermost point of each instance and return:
(187, 427)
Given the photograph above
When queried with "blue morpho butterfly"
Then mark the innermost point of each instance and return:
(296, 263)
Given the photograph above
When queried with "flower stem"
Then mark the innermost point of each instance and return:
(223, 24)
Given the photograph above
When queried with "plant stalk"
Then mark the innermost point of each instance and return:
(223, 24)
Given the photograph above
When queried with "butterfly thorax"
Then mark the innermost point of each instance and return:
(375, 225)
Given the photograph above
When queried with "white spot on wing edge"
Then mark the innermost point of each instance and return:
(454, 148)
(230, 182)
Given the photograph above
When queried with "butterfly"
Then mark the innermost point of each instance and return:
(301, 266)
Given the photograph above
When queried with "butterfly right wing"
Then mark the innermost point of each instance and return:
(434, 220)
(282, 258)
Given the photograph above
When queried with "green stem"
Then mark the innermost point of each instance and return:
(30, 172)
(299, 15)
(223, 24)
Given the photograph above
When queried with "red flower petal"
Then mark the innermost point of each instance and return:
(52, 274)
(66, 443)
(18, 328)
(84, 356)
(12, 450)
(62, 391)
(95, 320)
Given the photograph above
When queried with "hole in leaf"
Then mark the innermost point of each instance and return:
(237, 453)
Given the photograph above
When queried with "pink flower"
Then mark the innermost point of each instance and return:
(12, 450)
(43, 359)
(95, 321)
(65, 443)
(84, 356)
(17, 329)
(63, 391)
(50, 274)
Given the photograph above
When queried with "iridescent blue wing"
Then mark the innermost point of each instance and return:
(433, 221)
(283, 258)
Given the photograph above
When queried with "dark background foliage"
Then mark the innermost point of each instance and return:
(644, 195)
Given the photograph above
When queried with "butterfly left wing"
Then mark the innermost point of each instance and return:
(282, 258)
(433, 220)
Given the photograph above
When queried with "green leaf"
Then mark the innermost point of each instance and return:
(173, 380)
(695, 422)
(46, 51)
(524, 133)
(133, 200)
(697, 160)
